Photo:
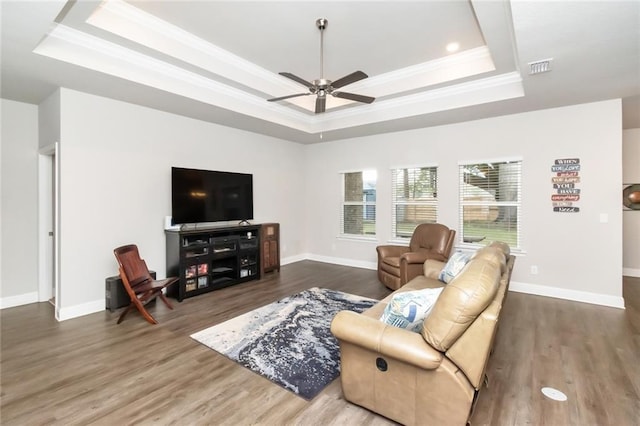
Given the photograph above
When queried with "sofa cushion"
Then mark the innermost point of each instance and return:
(408, 309)
(391, 265)
(431, 268)
(392, 260)
(420, 282)
(492, 254)
(461, 301)
(504, 247)
(454, 265)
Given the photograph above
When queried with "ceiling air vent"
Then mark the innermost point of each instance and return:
(538, 67)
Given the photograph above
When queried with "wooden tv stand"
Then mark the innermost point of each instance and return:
(207, 259)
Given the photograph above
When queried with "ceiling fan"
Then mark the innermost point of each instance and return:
(323, 87)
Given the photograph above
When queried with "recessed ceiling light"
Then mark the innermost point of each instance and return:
(453, 47)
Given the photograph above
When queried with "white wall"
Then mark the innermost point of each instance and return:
(115, 185)
(566, 247)
(49, 120)
(19, 188)
(631, 219)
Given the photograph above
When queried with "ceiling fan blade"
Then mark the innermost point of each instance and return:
(288, 96)
(348, 79)
(297, 79)
(354, 97)
(321, 103)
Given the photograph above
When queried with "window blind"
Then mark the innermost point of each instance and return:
(414, 194)
(490, 202)
(358, 212)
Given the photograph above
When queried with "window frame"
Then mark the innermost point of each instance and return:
(395, 203)
(512, 203)
(363, 203)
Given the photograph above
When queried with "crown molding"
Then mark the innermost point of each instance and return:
(490, 89)
(420, 76)
(131, 23)
(85, 50)
(91, 51)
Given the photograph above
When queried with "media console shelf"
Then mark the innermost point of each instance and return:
(213, 258)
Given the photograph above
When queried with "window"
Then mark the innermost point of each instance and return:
(490, 202)
(414, 193)
(358, 216)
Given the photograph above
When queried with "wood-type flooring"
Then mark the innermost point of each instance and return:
(90, 370)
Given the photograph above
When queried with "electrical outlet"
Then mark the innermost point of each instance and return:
(534, 269)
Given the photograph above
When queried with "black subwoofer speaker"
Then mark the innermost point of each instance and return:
(115, 294)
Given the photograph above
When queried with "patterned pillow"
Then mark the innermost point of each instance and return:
(409, 309)
(454, 265)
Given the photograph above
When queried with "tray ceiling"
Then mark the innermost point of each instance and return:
(219, 60)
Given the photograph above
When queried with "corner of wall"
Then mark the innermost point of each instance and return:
(49, 120)
(80, 310)
(567, 294)
(631, 219)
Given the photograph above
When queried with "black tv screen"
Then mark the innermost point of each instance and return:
(210, 196)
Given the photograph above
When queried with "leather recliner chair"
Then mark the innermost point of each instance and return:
(397, 265)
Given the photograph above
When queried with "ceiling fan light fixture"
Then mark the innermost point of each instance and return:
(322, 87)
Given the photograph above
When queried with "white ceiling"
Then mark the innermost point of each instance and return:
(219, 60)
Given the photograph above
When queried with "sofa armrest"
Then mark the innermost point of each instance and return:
(472, 350)
(412, 264)
(415, 257)
(391, 251)
(374, 335)
(432, 268)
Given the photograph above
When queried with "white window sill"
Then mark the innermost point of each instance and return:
(399, 241)
(363, 238)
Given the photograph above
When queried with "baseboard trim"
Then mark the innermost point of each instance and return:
(518, 287)
(344, 262)
(534, 289)
(293, 259)
(76, 311)
(566, 294)
(18, 300)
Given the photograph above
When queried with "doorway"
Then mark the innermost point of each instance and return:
(48, 226)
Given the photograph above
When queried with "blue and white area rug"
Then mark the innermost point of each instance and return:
(288, 341)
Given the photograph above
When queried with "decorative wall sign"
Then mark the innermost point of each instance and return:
(631, 196)
(565, 180)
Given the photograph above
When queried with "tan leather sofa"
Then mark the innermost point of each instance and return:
(397, 265)
(432, 377)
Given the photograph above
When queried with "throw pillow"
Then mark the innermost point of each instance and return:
(409, 309)
(454, 265)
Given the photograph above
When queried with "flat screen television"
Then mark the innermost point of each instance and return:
(199, 196)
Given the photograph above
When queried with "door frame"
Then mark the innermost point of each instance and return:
(48, 216)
